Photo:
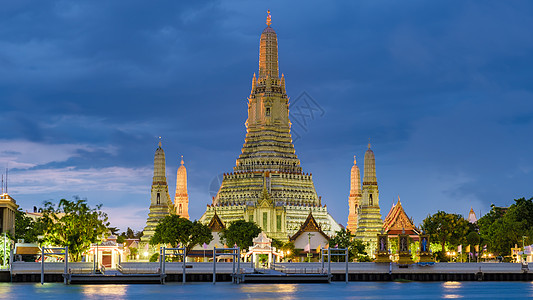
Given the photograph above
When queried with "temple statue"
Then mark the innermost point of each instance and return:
(267, 184)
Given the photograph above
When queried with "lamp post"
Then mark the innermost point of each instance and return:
(4, 261)
(524, 256)
(309, 255)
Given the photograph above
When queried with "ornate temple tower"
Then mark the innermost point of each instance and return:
(160, 203)
(181, 199)
(369, 222)
(268, 185)
(355, 197)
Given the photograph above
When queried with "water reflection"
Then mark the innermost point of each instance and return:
(286, 289)
(450, 287)
(115, 291)
(5, 288)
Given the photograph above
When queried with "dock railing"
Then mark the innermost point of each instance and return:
(235, 253)
(336, 252)
(63, 251)
(175, 252)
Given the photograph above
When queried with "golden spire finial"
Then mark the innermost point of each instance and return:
(354, 160)
(182, 160)
(369, 143)
(269, 18)
(159, 142)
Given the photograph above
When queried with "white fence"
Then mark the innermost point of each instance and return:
(376, 268)
(20, 267)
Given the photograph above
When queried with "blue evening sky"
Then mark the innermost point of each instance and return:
(442, 88)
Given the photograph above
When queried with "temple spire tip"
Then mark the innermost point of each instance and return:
(269, 18)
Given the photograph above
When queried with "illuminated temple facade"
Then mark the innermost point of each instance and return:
(267, 184)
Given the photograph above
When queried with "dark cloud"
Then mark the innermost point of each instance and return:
(441, 88)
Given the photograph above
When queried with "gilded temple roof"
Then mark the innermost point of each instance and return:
(397, 221)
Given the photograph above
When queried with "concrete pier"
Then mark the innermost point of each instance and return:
(203, 272)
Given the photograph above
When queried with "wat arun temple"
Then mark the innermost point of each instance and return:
(268, 185)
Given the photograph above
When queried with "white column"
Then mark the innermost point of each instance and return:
(113, 261)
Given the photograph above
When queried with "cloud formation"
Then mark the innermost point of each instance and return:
(442, 89)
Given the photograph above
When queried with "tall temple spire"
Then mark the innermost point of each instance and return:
(268, 145)
(268, 52)
(160, 203)
(159, 165)
(369, 222)
(181, 199)
(268, 185)
(355, 196)
(370, 168)
(472, 216)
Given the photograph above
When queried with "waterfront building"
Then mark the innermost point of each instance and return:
(355, 197)
(310, 236)
(181, 198)
(369, 223)
(267, 185)
(160, 203)
(8, 207)
(217, 226)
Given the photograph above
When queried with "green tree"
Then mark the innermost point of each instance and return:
(26, 228)
(277, 243)
(446, 228)
(73, 224)
(290, 250)
(356, 248)
(113, 230)
(174, 230)
(242, 233)
(129, 234)
(503, 228)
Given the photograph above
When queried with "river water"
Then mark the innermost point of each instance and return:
(224, 290)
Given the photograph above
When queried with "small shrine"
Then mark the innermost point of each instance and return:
(383, 252)
(403, 249)
(107, 253)
(263, 245)
(423, 251)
